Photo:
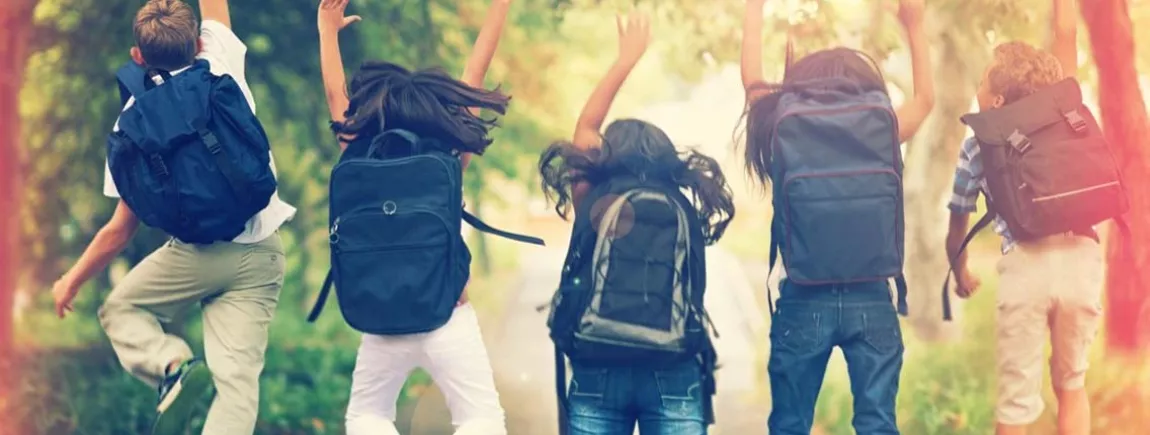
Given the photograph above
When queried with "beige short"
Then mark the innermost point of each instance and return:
(1050, 288)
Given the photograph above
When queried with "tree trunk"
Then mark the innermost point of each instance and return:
(928, 178)
(16, 20)
(1123, 113)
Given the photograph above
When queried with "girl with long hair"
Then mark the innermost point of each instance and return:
(431, 104)
(616, 388)
(857, 316)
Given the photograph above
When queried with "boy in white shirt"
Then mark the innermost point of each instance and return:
(237, 282)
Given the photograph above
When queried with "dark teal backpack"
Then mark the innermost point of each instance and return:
(398, 260)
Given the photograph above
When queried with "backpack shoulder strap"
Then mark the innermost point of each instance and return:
(773, 257)
(484, 227)
(978, 227)
(322, 298)
(411, 139)
(561, 390)
(130, 78)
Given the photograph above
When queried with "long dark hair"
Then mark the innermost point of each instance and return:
(427, 102)
(835, 63)
(638, 148)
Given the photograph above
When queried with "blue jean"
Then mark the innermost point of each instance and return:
(810, 321)
(610, 401)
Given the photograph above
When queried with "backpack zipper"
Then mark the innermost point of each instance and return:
(1072, 192)
(333, 236)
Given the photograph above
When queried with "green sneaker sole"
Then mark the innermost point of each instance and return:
(175, 415)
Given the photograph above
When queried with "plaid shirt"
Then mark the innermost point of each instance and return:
(969, 182)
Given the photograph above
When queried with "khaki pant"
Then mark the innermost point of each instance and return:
(1049, 291)
(238, 287)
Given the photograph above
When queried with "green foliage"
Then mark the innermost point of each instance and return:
(551, 56)
(950, 388)
(75, 391)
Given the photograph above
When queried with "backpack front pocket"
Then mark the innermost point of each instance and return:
(843, 226)
(394, 272)
(1067, 185)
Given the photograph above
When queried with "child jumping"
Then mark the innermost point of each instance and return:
(386, 98)
(629, 310)
(827, 140)
(225, 254)
(1051, 270)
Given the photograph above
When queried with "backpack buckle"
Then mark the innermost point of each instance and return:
(1076, 121)
(210, 141)
(1019, 142)
(156, 163)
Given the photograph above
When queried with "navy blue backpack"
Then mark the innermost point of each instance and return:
(190, 157)
(836, 171)
(398, 259)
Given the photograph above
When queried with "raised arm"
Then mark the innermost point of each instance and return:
(1065, 42)
(330, 21)
(216, 10)
(486, 44)
(752, 57)
(633, 39)
(915, 110)
(484, 50)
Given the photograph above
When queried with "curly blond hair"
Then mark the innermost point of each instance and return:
(1020, 69)
(166, 33)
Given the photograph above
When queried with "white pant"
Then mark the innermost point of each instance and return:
(456, 359)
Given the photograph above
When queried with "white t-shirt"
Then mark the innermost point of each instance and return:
(225, 53)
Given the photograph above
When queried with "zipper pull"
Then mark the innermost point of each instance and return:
(332, 235)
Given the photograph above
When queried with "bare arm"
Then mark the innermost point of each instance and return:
(599, 103)
(216, 10)
(752, 53)
(485, 44)
(334, 80)
(108, 243)
(633, 40)
(483, 51)
(956, 232)
(1065, 42)
(912, 112)
(330, 21)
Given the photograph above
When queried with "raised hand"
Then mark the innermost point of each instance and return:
(634, 36)
(331, 17)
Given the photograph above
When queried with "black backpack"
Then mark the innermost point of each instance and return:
(632, 286)
(399, 262)
(836, 171)
(190, 157)
(1049, 169)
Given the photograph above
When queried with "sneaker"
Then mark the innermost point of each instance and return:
(180, 392)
